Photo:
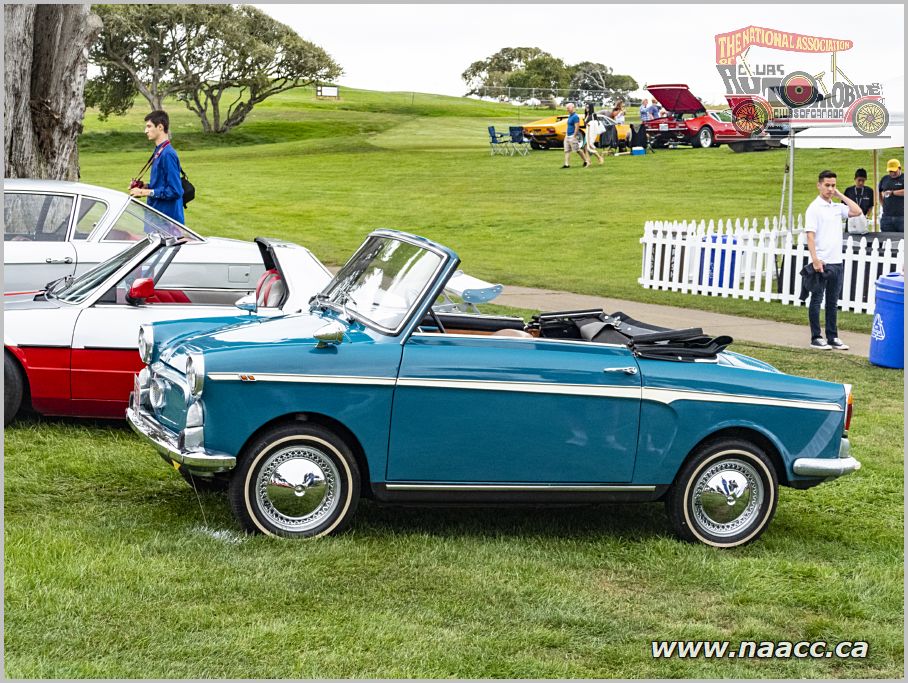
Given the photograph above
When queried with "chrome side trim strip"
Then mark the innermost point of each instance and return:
(303, 379)
(669, 396)
(517, 487)
(632, 392)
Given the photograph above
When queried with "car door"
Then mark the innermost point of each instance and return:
(36, 249)
(491, 409)
(105, 354)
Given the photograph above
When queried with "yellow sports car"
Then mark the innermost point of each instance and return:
(549, 132)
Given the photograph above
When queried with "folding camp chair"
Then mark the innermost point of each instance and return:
(519, 143)
(498, 142)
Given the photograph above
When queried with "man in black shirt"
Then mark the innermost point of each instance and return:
(863, 197)
(892, 196)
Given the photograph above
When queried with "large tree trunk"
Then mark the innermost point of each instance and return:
(46, 59)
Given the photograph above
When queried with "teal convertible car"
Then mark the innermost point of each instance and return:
(370, 392)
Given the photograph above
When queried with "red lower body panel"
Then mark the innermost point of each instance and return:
(79, 382)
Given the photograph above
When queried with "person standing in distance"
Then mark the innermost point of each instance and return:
(861, 195)
(164, 189)
(572, 138)
(644, 111)
(892, 196)
(823, 225)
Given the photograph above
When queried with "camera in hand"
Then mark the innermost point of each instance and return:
(136, 183)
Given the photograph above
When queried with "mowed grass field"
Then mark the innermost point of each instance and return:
(325, 173)
(114, 568)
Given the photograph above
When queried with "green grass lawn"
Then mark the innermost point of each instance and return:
(114, 569)
(324, 173)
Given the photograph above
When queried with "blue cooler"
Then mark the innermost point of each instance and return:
(720, 275)
(638, 151)
(887, 338)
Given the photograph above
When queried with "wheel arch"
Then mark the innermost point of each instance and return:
(331, 424)
(849, 114)
(745, 433)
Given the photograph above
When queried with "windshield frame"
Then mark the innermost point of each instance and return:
(152, 243)
(444, 262)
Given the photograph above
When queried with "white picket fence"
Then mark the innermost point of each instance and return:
(740, 260)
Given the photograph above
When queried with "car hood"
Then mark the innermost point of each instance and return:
(254, 334)
(28, 301)
(676, 98)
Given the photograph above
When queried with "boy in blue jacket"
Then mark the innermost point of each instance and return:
(164, 189)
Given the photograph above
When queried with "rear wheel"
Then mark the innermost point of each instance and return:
(298, 481)
(704, 138)
(725, 496)
(13, 388)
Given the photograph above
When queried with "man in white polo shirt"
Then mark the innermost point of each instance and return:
(823, 225)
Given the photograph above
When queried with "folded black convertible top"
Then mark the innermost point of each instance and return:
(645, 340)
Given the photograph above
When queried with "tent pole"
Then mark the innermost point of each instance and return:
(876, 202)
(791, 166)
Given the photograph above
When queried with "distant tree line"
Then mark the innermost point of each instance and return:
(529, 69)
(219, 60)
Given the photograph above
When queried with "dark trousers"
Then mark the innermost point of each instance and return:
(830, 287)
(892, 223)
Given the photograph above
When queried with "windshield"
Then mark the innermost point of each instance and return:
(137, 221)
(384, 281)
(77, 290)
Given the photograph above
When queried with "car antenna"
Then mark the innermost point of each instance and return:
(198, 498)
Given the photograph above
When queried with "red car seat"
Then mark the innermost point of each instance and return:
(270, 289)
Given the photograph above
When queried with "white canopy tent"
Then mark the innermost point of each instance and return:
(841, 137)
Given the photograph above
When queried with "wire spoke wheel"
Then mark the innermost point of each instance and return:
(870, 119)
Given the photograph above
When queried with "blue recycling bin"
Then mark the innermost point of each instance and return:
(726, 239)
(887, 338)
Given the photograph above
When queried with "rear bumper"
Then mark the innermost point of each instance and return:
(167, 443)
(828, 467)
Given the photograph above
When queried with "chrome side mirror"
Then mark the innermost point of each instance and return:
(247, 303)
(331, 333)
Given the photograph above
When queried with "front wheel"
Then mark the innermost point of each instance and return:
(725, 496)
(298, 481)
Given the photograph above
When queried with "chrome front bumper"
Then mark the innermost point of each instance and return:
(167, 444)
(828, 467)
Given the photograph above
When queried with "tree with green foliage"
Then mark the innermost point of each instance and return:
(531, 69)
(492, 74)
(545, 74)
(594, 81)
(219, 60)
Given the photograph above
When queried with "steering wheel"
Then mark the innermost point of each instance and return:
(22, 238)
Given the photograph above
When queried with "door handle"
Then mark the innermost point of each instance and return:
(627, 371)
(58, 260)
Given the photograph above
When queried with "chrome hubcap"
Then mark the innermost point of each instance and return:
(297, 488)
(727, 497)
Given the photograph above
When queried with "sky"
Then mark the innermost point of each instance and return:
(425, 48)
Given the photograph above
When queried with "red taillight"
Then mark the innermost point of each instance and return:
(849, 408)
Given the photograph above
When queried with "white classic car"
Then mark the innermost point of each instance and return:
(54, 229)
(72, 348)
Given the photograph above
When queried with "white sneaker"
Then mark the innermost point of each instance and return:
(819, 343)
(838, 344)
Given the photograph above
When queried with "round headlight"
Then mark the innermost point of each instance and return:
(146, 343)
(195, 374)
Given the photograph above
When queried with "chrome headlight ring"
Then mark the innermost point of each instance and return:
(195, 374)
(146, 343)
